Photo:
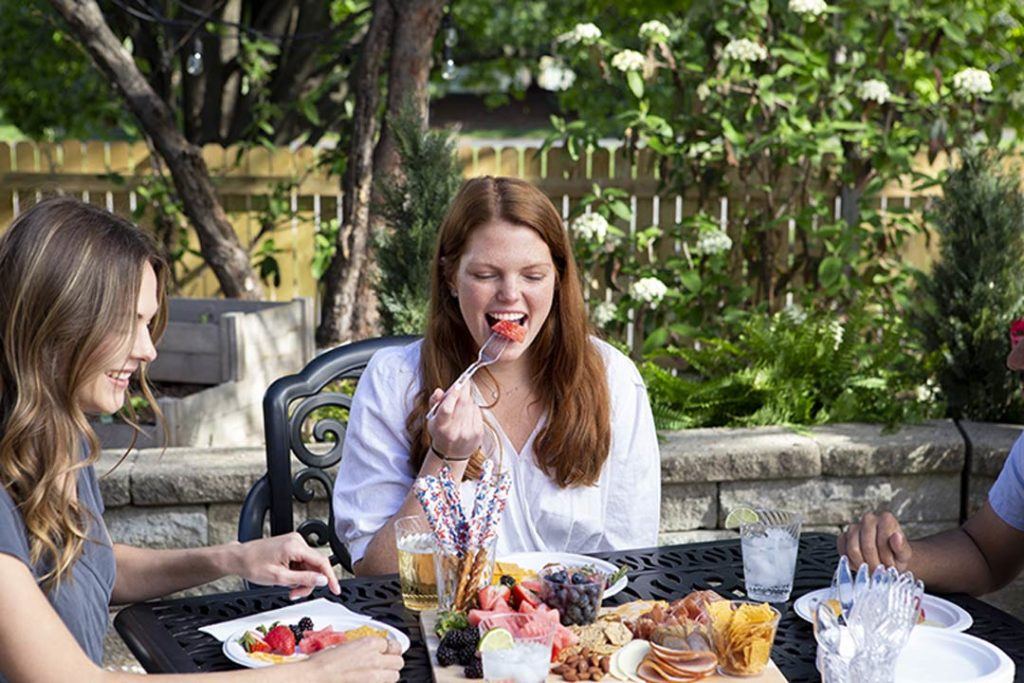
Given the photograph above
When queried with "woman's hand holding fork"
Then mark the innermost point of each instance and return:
(457, 428)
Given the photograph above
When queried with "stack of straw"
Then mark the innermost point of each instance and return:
(460, 539)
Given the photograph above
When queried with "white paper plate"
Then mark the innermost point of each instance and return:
(941, 656)
(536, 561)
(236, 653)
(940, 613)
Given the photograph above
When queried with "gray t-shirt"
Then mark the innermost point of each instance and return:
(83, 597)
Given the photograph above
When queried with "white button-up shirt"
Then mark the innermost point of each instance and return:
(621, 511)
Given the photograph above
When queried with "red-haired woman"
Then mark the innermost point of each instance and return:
(566, 413)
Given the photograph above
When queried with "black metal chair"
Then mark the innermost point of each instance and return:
(288, 403)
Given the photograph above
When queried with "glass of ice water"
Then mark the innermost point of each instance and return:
(516, 648)
(769, 554)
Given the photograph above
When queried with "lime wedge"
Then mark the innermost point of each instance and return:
(496, 639)
(741, 516)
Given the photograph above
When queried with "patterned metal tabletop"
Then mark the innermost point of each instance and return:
(164, 636)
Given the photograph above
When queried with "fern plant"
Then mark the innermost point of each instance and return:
(792, 369)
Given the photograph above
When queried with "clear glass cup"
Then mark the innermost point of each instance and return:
(769, 554)
(528, 658)
(576, 594)
(743, 646)
(460, 577)
(416, 545)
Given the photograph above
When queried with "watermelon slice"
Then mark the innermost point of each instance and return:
(314, 641)
(490, 596)
(510, 329)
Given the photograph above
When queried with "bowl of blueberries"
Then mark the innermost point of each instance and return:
(576, 592)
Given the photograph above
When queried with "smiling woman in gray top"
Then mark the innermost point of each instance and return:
(81, 303)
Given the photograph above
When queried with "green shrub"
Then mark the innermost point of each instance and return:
(975, 290)
(414, 202)
(793, 368)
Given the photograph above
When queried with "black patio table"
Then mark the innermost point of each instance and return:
(163, 635)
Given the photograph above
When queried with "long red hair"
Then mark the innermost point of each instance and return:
(567, 368)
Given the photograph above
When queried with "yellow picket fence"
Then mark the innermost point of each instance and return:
(113, 174)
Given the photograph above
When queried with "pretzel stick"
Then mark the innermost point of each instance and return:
(465, 569)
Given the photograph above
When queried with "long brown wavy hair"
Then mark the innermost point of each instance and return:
(567, 368)
(70, 275)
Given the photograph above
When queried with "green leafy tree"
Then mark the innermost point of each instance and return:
(413, 204)
(975, 291)
(802, 112)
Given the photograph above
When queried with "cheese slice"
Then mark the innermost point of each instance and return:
(630, 657)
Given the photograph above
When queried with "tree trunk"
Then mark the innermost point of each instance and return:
(218, 242)
(412, 48)
(341, 282)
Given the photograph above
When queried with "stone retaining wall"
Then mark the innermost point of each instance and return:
(185, 497)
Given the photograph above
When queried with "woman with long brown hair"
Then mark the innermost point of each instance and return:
(564, 412)
(81, 305)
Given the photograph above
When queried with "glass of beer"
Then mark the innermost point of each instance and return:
(416, 546)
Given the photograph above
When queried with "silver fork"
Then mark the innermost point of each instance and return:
(490, 352)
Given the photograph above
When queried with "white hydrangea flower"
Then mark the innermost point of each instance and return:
(745, 50)
(581, 34)
(808, 9)
(1016, 99)
(654, 31)
(712, 242)
(972, 82)
(874, 89)
(927, 392)
(591, 227)
(603, 313)
(554, 75)
(650, 290)
(629, 60)
(703, 92)
(837, 333)
(794, 313)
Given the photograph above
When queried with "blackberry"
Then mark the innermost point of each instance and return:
(297, 632)
(305, 624)
(462, 638)
(507, 580)
(446, 656)
(466, 655)
(474, 669)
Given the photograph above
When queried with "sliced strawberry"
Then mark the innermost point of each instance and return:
(281, 640)
(252, 642)
(533, 585)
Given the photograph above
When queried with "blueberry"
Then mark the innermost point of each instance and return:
(578, 578)
(559, 577)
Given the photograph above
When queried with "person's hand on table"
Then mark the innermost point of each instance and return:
(876, 539)
(366, 660)
(457, 429)
(286, 560)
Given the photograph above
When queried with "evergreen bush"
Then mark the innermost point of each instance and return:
(413, 204)
(975, 290)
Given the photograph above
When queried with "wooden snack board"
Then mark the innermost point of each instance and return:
(452, 674)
